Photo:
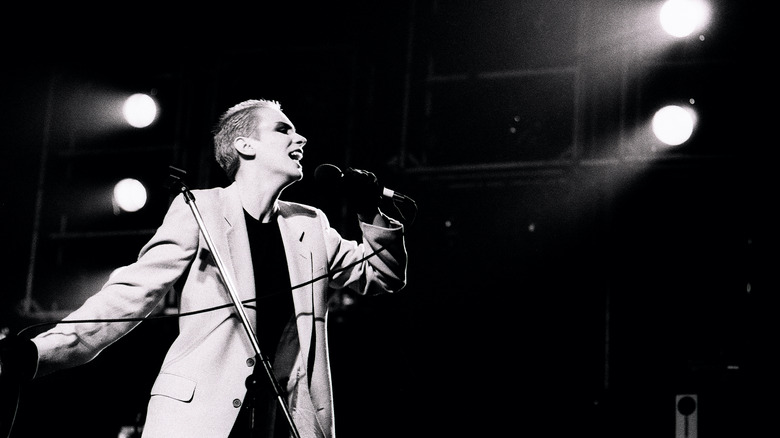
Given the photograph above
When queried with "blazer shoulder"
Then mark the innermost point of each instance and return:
(297, 209)
(212, 193)
(212, 197)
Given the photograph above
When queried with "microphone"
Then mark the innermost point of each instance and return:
(328, 174)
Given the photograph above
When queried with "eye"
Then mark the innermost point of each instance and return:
(283, 128)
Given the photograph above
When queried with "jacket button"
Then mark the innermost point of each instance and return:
(236, 403)
(250, 362)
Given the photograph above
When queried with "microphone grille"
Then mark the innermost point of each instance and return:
(327, 173)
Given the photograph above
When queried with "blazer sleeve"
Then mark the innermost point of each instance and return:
(132, 291)
(375, 265)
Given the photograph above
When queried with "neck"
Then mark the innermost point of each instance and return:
(258, 198)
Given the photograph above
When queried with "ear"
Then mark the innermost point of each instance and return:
(244, 147)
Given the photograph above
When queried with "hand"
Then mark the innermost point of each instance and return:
(18, 358)
(363, 191)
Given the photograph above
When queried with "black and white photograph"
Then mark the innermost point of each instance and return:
(392, 219)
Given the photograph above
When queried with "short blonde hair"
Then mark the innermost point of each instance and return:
(240, 120)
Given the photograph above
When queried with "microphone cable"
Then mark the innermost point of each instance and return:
(176, 176)
(199, 311)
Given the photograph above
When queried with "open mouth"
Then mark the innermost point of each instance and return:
(296, 155)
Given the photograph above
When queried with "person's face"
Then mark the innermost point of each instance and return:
(277, 147)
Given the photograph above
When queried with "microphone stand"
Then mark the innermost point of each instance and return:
(175, 181)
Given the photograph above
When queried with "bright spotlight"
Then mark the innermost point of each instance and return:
(129, 195)
(681, 18)
(140, 110)
(673, 124)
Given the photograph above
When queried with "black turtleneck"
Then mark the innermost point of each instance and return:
(274, 311)
(272, 282)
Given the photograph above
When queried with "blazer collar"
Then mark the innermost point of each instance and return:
(293, 231)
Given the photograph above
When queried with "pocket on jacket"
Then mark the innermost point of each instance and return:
(173, 386)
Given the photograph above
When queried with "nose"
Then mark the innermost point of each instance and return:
(301, 140)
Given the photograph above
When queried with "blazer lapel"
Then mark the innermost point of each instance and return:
(238, 255)
(299, 264)
(302, 241)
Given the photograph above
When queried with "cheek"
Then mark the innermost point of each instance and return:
(275, 156)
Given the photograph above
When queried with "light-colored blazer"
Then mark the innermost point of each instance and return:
(202, 379)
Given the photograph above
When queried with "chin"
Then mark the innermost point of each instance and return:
(297, 176)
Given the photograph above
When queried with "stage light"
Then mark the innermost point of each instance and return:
(140, 110)
(129, 196)
(681, 18)
(674, 124)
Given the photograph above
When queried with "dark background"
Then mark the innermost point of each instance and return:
(566, 273)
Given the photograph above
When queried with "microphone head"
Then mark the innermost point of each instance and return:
(327, 174)
(329, 181)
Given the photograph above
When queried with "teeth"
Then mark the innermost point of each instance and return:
(296, 155)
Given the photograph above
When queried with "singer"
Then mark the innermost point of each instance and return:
(285, 260)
